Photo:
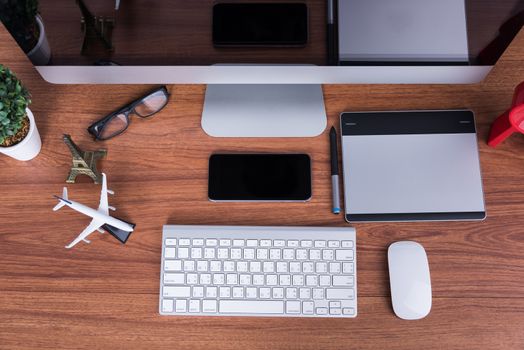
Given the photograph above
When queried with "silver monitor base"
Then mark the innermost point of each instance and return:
(264, 110)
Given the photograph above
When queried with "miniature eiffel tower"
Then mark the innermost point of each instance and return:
(84, 162)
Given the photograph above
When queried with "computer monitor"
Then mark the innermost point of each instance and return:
(273, 90)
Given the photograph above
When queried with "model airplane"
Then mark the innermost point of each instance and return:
(102, 221)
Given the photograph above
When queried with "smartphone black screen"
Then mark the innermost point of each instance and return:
(260, 24)
(259, 177)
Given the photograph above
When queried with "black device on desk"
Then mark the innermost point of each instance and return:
(259, 177)
(260, 24)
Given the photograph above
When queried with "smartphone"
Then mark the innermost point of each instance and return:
(260, 24)
(259, 177)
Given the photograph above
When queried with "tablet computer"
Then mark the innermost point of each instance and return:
(411, 165)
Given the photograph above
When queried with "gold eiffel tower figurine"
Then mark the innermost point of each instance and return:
(84, 162)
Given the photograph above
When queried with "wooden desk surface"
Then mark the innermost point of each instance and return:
(105, 295)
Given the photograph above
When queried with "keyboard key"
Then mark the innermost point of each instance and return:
(184, 242)
(174, 278)
(173, 265)
(251, 293)
(288, 254)
(176, 292)
(321, 311)
(285, 280)
(282, 266)
(167, 305)
(343, 281)
(252, 243)
(238, 243)
(294, 267)
(219, 278)
(307, 308)
(268, 266)
(278, 293)
(251, 306)
(224, 242)
(265, 293)
(229, 266)
(271, 280)
(347, 244)
(223, 253)
(334, 304)
(305, 293)
(311, 280)
(249, 254)
(209, 253)
(314, 254)
(327, 254)
(189, 265)
(245, 279)
(292, 243)
(231, 278)
(205, 279)
(320, 244)
(301, 254)
(209, 306)
(242, 266)
(306, 244)
(348, 267)
(307, 267)
(236, 253)
(211, 242)
(291, 293)
(265, 243)
(183, 253)
(225, 292)
(348, 311)
(170, 253)
(293, 307)
(298, 280)
(334, 267)
(181, 305)
(318, 293)
(340, 294)
(255, 266)
(202, 265)
(258, 280)
(198, 242)
(335, 311)
(344, 254)
(325, 280)
(191, 278)
(215, 266)
(279, 243)
(194, 306)
(170, 241)
(211, 292)
(321, 267)
(333, 244)
(238, 292)
(262, 254)
(275, 254)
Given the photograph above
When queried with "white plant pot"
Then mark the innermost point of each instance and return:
(40, 55)
(30, 146)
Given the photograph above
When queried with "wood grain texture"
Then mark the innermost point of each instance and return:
(105, 295)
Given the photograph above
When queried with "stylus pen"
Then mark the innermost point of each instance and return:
(331, 33)
(334, 170)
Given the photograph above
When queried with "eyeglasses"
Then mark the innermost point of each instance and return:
(117, 122)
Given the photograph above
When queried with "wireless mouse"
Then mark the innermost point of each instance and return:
(409, 280)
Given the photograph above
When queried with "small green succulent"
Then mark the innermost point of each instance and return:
(14, 99)
(18, 16)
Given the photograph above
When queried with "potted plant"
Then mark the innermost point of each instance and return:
(22, 20)
(19, 137)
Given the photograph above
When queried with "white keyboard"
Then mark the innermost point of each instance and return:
(258, 271)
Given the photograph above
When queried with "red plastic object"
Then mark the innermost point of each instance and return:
(511, 121)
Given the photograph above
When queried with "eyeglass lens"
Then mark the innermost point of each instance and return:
(151, 104)
(114, 126)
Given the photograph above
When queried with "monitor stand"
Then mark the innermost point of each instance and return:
(264, 110)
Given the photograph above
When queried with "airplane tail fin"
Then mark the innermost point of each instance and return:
(61, 203)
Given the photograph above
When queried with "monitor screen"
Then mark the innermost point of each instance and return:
(370, 32)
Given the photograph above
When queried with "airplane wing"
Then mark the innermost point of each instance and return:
(104, 204)
(93, 226)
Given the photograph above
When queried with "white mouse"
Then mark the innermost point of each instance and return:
(409, 280)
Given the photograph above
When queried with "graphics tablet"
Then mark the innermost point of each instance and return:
(416, 165)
